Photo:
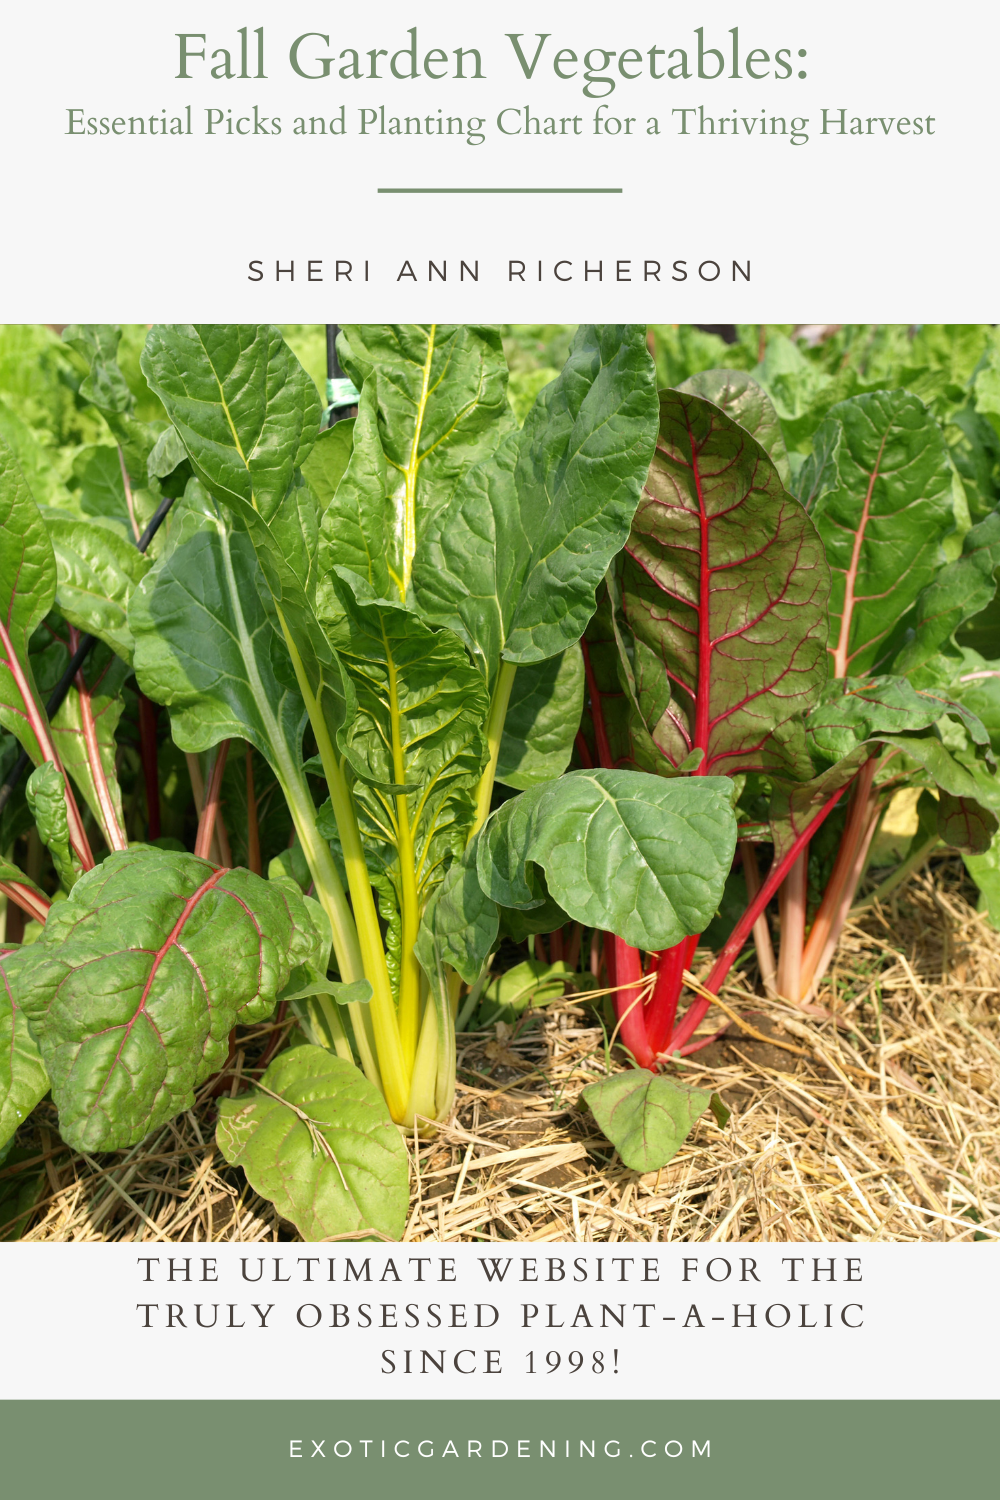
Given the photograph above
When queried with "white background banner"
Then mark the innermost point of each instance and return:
(487, 1321)
(713, 162)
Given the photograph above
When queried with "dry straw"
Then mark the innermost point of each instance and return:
(873, 1117)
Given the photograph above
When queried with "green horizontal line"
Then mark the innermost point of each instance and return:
(501, 190)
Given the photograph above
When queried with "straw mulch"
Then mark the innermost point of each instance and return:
(875, 1118)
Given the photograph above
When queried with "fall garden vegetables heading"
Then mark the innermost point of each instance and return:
(413, 611)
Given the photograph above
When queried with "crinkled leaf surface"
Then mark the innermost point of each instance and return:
(637, 855)
(646, 1116)
(724, 588)
(416, 741)
(138, 979)
(317, 1140)
(23, 1079)
(856, 709)
(969, 794)
(34, 458)
(959, 592)
(433, 403)
(248, 415)
(747, 403)
(46, 793)
(543, 716)
(883, 508)
(97, 571)
(514, 562)
(106, 387)
(205, 646)
(245, 409)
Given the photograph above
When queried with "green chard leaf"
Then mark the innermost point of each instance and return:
(647, 1117)
(248, 415)
(205, 646)
(543, 716)
(532, 983)
(46, 794)
(315, 1138)
(513, 563)
(245, 409)
(97, 571)
(106, 388)
(883, 507)
(416, 743)
(460, 923)
(958, 593)
(985, 871)
(23, 1079)
(434, 402)
(637, 855)
(138, 978)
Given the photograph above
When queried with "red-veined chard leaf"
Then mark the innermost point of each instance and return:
(856, 709)
(83, 731)
(16, 885)
(747, 403)
(879, 488)
(315, 1137)
(724, 589)
(27, 592)
(23, 1079)
(139, 977)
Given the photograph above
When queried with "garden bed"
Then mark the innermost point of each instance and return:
(877, 1121)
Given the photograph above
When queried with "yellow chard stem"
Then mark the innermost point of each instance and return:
(394, 1072)
(494, 734)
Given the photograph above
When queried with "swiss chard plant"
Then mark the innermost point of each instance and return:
(386, 615)
(776, 631)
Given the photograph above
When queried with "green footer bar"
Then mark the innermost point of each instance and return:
(823, 1450)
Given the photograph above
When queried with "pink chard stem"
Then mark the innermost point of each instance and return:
(206, 823)
(696, 1012)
